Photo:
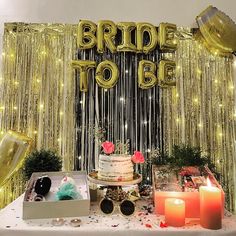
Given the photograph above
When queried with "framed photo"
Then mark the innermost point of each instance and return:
(165, 178)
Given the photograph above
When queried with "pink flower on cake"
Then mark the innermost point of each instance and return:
(108, 147)
(138, 157)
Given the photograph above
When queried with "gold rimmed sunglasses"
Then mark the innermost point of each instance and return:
(108, 206)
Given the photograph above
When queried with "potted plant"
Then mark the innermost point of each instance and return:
(41, 161)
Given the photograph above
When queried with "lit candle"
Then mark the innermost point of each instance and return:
(210, 206)
(58, 222)
(174, 212)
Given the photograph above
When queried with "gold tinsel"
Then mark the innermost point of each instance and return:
(200, 111)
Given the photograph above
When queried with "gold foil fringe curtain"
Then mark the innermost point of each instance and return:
(38, 97)
(200, 111)
(12, 188)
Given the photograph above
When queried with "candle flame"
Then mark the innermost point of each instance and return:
(178, 201)
(209, 182)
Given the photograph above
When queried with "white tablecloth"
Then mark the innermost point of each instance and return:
(97, 224)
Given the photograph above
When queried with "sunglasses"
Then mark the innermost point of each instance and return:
(126, 207)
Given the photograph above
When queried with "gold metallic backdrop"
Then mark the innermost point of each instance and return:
(37, 95)
(201, 109)
(38, 98)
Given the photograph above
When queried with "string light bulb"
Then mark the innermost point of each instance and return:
(234, 63)
(199, 71)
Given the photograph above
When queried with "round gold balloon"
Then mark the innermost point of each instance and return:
(106, 33)
(112, 69)
(14, 147)
(218, 30)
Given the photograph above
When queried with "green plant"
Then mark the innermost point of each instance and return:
(41, 161)
(185, 155)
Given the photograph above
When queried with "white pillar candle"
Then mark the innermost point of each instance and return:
(174, 212)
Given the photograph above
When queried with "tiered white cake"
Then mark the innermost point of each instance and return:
(115, 167)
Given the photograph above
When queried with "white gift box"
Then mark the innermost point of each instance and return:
(52, 208)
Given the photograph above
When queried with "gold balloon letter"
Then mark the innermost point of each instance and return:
(83, 67)
(166, 37)
(86, 34)
(101, 74)
(151, 30)
(106, 33)
(126, 45)
(146, 74)
(166, 73)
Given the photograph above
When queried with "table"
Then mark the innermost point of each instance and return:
(140, 224)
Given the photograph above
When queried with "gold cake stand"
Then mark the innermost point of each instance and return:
(114, 188)
(93, 177)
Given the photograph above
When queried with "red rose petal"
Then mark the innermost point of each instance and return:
(163, 225)
(148, 225)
